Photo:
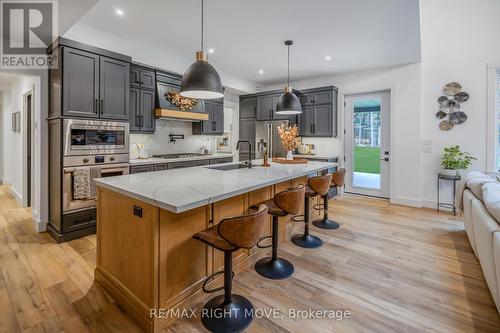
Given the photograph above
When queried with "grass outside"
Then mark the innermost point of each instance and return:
(367, 159)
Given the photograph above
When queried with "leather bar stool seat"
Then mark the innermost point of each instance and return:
(283, 204)
(338, 179)
(318, 185)
(230, 312)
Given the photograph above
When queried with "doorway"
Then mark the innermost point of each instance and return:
(28, 148)
(367, 143)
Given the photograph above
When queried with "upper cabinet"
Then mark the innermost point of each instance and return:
(266, 107)
(319, 112)
(89, 82)
(248, 106)
(142, 99)
(215, 123)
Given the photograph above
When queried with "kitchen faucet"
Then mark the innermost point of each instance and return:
(249, 162)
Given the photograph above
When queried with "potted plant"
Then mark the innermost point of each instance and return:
(454, 159)
(289, 138)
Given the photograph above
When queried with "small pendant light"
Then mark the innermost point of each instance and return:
(288, 102)
(201, 80)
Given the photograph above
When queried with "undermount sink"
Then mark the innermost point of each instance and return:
(227, 167)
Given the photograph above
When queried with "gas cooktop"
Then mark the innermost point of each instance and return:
(179, 155)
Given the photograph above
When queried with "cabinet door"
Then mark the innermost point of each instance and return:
(186, 164)
(247, 132)
(248, 107)
(306, 121)
(218, 118)
(276, 99)
(208, 126)
(323, 122)
(135, 110)
(135, 77)
(141, 168)
(323, 97)
(161, 167)
(114, 89)
(147, 79)
(264, 107)
(147, 111)
(80, 83)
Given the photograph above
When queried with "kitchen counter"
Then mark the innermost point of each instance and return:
(157, 160)
(146, 255)
(184, 189)
(317, 157)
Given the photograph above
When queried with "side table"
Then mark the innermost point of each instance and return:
(454, 179)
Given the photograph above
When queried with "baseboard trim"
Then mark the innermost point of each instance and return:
(405, 201)
(40, 226)
(16, 195)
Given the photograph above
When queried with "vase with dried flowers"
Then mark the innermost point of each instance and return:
(289, 136)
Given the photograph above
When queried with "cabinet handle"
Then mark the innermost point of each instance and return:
(142, 121)
(311, 128)
(314, 128)
(137, 121)
(102, 106)
(96, 106)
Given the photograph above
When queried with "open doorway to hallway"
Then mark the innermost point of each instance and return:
(367, 144)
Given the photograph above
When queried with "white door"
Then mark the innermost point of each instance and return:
(367, 143)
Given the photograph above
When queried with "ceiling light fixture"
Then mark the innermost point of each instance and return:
(201, 80)
(288, 102)
(328, 58)
(261, 71)
(119, 12)
(211, 50)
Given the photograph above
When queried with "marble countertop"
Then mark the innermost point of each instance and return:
(157, 160)
(319, 157)
(179, 190)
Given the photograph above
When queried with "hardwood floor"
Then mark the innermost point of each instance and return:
(395, 269)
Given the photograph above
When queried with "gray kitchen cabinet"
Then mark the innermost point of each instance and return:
(316, 97)
(248, 107)
(141, 168)
(142, 108)
(142, 78)
(317, 121)
(161, 167)
(265, 107)
(215, 123)
(114, 90)
(80, 83)
(186, 164)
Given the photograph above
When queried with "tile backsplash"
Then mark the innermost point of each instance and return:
(159, 142)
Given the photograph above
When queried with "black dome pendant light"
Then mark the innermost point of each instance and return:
(288, 102)
(201, 80)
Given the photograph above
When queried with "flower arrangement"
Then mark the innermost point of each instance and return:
(289, 136)
(183, 103)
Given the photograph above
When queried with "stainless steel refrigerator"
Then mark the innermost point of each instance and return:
(267, 132)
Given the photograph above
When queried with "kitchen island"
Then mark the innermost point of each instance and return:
(146, 258)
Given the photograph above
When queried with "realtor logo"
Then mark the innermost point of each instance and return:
(28, 28)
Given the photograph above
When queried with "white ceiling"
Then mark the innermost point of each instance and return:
(248, 35)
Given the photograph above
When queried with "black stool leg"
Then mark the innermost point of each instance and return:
(273, 267)
(325, 223)
(306, 240)
(227, 313)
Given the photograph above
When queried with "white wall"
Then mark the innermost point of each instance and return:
(404, 81)
(457, 52)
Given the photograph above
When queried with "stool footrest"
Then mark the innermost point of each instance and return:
(260, 246)
(299, 218)
(319, 206)
(211, 278)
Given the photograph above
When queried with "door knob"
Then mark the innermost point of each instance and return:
(385, 159)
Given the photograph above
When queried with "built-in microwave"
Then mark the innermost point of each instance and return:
(93, 137)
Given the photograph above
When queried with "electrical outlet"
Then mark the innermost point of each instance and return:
(137, 211)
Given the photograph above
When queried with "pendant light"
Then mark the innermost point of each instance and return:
(201, 80)
(288, 102)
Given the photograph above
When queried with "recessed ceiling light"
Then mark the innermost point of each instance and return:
(261, 71)
(119, 12)
(328, 58)
(211, 50)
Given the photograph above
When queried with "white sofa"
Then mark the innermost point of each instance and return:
(481, 212)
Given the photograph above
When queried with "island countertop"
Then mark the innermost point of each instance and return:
(180, 190)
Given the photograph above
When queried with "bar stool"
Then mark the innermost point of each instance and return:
(284, 203)
(230, 312)
(338, 179)
(318, 185)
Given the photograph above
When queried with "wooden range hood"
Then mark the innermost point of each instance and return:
(181, 115)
